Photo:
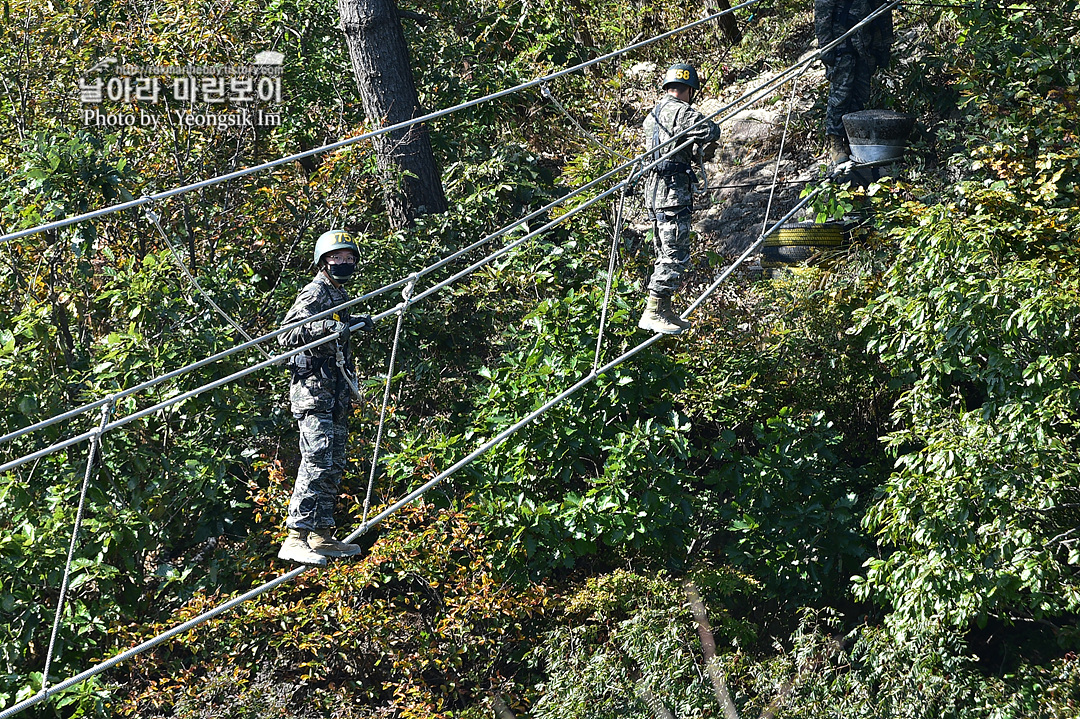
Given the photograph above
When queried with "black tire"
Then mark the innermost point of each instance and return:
(787, 255)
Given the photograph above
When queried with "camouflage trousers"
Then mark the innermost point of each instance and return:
(323, 437)
(849, 89)
(671, 250)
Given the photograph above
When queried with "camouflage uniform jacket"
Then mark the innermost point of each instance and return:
(670, 184)
(317, 384)
(832, 18)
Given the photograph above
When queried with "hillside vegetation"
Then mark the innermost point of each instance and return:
(850, 491)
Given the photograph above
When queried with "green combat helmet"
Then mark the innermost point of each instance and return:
(334, 240)
(339, 271)
(682, 74)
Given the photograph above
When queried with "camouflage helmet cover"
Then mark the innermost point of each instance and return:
(334, 240)
(682, 74)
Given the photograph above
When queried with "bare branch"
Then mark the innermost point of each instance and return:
(708, 646)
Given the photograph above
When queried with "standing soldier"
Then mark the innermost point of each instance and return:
(850, 65)
(669, 189)
(322, 389)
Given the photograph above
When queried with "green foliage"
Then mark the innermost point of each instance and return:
(982, 335)
(166, 489)
(752, 443)
(868, 672)
(631, 645)
(832, 204)
(603, 470)
(792, 510)
(64, 174)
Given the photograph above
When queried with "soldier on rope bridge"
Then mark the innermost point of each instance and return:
(321, 393)
(669, 192)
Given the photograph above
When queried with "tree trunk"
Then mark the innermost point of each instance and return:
(380, 58)
(727, 22)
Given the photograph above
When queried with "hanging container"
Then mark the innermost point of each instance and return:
(877, 135)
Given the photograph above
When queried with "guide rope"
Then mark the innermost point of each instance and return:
(91, 457)
(780, 154)
(406, 295)
(610, 275)
(156, 219)
(546, 92)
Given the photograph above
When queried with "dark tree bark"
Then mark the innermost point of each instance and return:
(380, 58)
(727, 22)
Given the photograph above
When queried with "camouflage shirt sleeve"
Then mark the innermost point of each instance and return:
(696, 127)
(311, 300)
(677, 118)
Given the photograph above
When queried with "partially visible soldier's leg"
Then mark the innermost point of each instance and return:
(843, 92)
(321, 540)
(315, 491)
(339, 445)
(860, 84)
(671, 248)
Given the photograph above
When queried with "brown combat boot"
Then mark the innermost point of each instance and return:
(669, 313)
(322, 542)
(836, 148)
(295, 549)
(658, 317)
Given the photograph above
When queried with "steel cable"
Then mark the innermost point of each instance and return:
(780, 153)
(610, 276)
(406, 301)
(91, 458)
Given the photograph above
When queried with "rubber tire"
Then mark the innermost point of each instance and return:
(787, 255)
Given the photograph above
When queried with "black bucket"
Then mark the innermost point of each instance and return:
(877, 135)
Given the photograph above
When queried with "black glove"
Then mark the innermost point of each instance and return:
(321, 328)
(364, 323)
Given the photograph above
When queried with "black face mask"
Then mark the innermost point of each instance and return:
(341, 273)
